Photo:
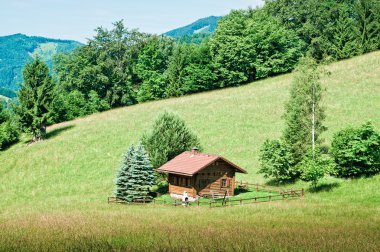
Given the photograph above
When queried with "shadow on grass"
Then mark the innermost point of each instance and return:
(324, 187)
(240, 190)
(57, 131)
(274, 182)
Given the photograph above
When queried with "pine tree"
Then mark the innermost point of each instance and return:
(122, 175)
(136, 175)
(35, 96)
(304, 113)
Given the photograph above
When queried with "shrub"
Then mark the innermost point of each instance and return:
(313, 168)
(276, 161)
(170, 137)
(9, 132)
(356, 151)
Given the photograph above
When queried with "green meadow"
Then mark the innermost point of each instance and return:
(53, 194)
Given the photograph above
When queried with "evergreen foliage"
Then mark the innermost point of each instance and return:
(356, 151)
(35, 98)
(302, 133)
(169, 137)
(135, 176)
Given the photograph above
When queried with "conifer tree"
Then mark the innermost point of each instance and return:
(136, 175)
(170, 137)
(122, 175)
(35, 96)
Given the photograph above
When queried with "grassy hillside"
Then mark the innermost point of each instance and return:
(16, 50)
(53, 194)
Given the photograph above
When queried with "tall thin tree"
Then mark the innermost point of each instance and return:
(35, 95)
(304, 114)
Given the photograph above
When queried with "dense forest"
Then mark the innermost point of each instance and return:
(121, 66)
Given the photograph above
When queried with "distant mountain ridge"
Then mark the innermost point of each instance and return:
(17, 49)
(206, 25)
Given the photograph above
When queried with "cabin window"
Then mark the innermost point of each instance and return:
(202, 183)
(225, 183)
(174, 180)
(187, 182)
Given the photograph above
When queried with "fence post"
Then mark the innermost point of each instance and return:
(270, 197)
(302, 193)
(241, 201)
(257, 187)
(198, 202)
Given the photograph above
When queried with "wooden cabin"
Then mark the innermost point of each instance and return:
(200, 174)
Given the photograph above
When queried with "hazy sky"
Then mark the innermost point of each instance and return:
(77, 19)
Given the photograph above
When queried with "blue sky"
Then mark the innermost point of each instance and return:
(77, 19)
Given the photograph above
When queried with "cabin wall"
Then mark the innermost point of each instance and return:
(179, 184)
(210, 179)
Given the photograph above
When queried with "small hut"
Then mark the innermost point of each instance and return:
(200, 175)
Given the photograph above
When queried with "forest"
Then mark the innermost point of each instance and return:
(122, 66)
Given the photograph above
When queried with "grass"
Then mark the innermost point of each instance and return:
(54, 193)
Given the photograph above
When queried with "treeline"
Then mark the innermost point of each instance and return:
(121, 67)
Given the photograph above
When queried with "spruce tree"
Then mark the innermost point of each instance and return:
(136, 175)
(35, 97)
(304, 113)
(123, 173)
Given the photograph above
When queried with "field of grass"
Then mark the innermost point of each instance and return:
(54, 193)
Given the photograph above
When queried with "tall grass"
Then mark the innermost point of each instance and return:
(53, 194)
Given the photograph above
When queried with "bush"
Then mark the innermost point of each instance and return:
(356, 151)
(170, 137)
(276, 161)
(313, 168)
(9, 132)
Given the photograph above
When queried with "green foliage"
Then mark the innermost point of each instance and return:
(16, 50)
(314, 166)
(105, 65)
(248, 45)
(305, 101)
(336, 29)
(356, 151)
(276, 161)
(9, 132)
(152, 62)
(169, 137)
(35, 98)
(135, 176)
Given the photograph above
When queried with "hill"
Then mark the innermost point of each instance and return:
(18, 49)
(54, 193)
(202, 26)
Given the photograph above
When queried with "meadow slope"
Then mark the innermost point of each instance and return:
(53, 193)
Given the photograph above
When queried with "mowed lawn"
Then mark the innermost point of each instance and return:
(54, 193)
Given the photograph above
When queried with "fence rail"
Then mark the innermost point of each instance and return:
(281, 194)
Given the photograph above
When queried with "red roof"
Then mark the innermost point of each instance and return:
(189, 163)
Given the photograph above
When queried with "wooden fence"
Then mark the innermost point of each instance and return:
(280, 194)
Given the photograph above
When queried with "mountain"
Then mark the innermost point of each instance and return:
(54, 193)
(18, 49)
(202, 26)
